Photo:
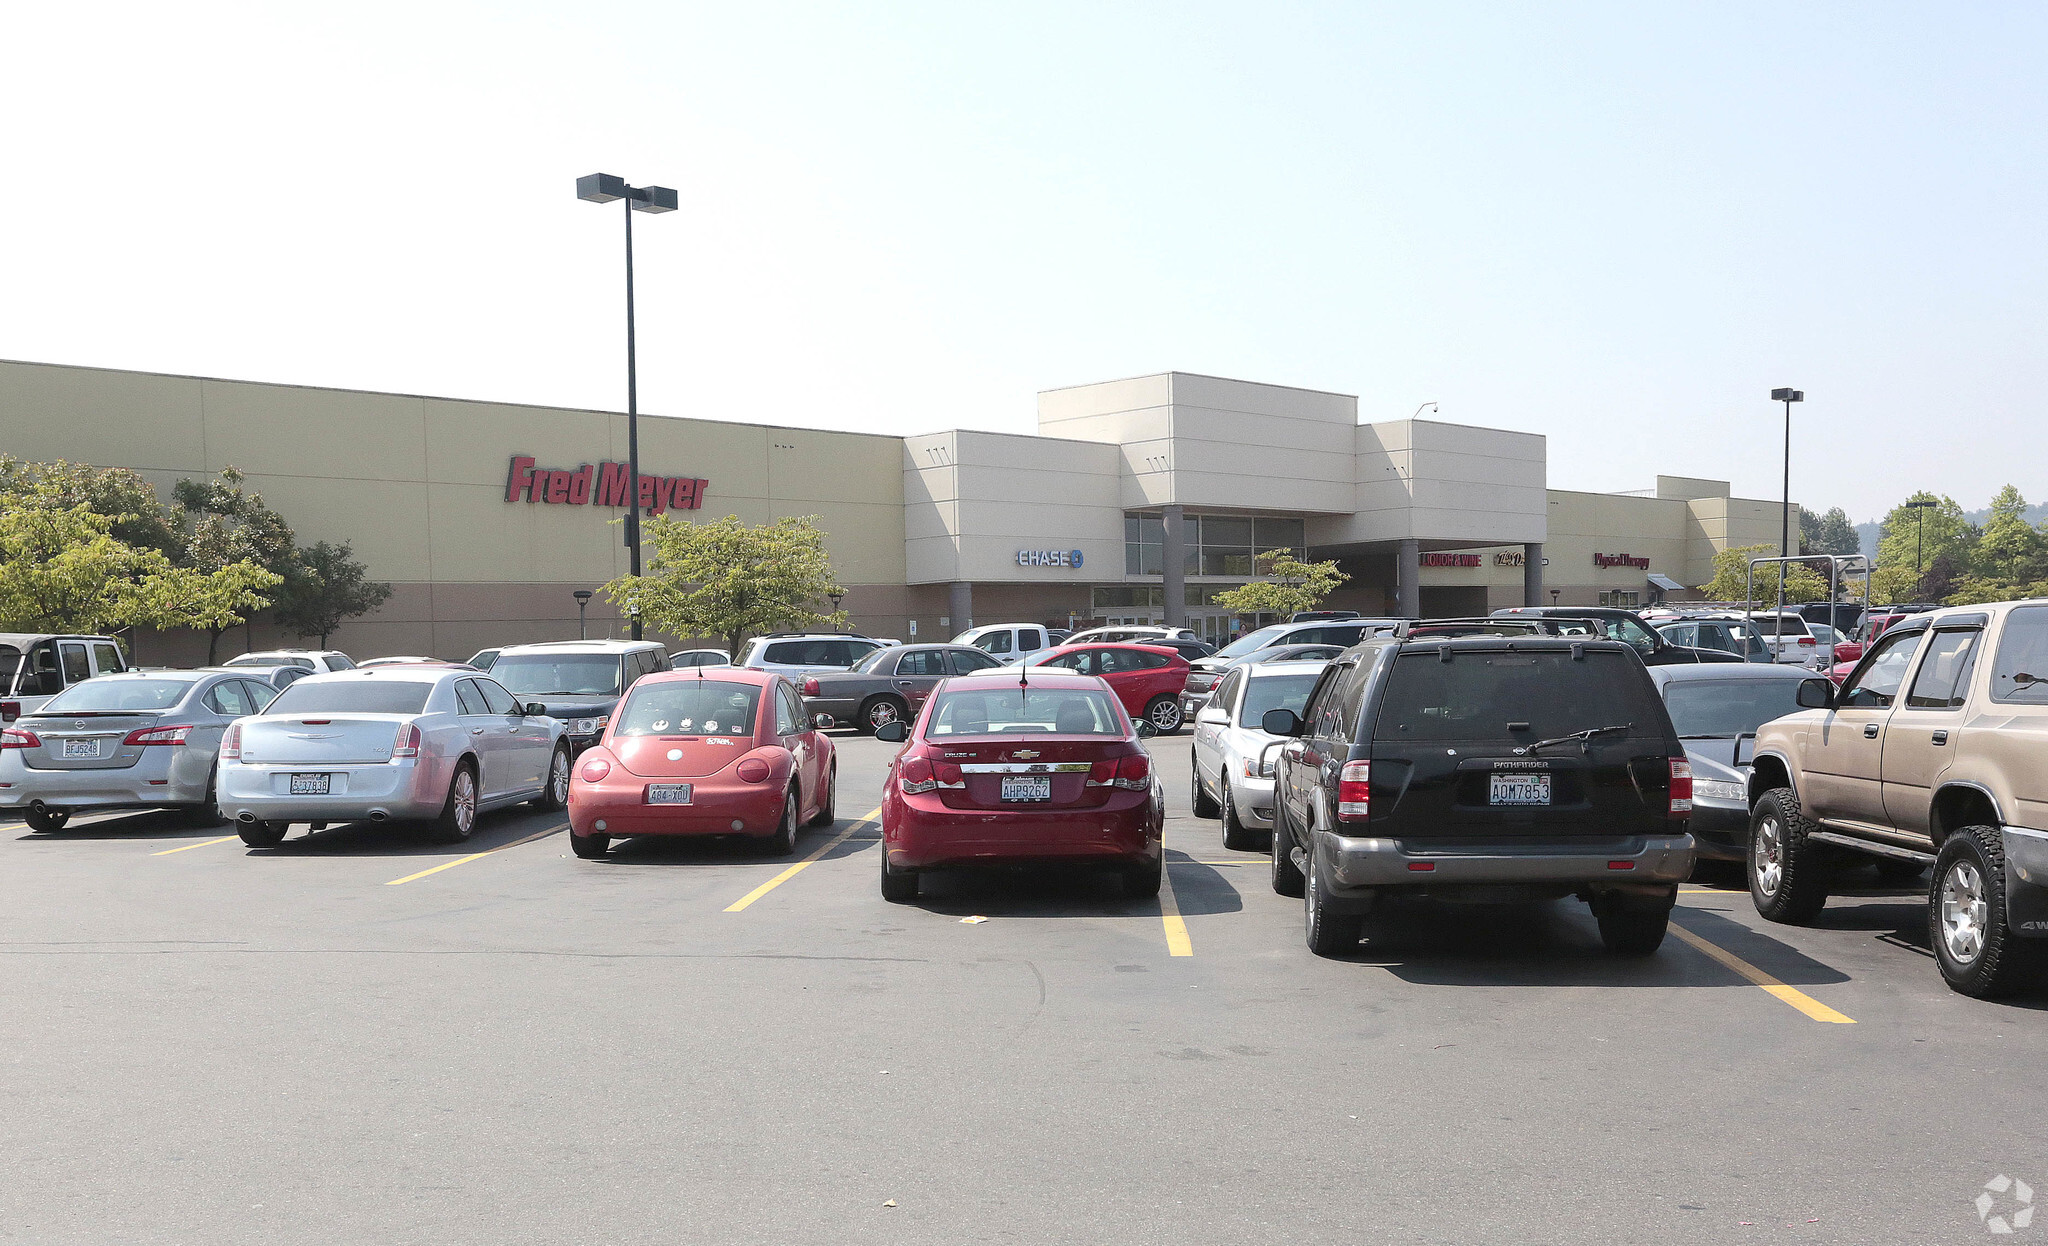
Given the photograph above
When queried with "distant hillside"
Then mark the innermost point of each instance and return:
(1868, 531)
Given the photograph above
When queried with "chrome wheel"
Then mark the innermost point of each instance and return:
(558, 780)
(1766, 856)
(1165, 715)
(881, 714)
(1964, 912)
(464, 797)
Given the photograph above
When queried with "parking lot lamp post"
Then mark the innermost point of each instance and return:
(1788, 397)
(582, 596)
(604, 188)
(1554, 595)
(1919, 510)
(836, 598)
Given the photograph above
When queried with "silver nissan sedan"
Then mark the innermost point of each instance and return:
(437, 745)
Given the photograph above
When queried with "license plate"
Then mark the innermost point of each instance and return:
(81, 748)
(311, 784)
(1520, 789)
(668, 793)
(1027, 789)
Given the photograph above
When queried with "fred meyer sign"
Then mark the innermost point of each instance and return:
(601, 484)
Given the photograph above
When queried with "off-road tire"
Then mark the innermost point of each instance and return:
(2003, 962)
(1203, 804)
(1796, 891)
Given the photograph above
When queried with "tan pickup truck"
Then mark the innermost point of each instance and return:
(1934, 751)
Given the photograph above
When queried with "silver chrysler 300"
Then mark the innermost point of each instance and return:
(389, 744)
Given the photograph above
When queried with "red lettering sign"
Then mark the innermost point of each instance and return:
(600, 484)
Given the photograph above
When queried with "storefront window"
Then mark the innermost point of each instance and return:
(1220, 545)
(1620, 598)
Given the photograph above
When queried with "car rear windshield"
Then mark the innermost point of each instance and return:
(105, 696)
(1276, 692)
(353, 696)
(1009, 710)
(1726, 708)
(689, 707)
(1251, 642)
(558, 674)
(1478, 693)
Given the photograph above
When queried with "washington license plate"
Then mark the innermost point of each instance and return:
(1520, 789)
(668, 793)
(311, 784)
(1027, 789)
(81, 748)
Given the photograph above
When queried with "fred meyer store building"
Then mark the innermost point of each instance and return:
(1138, 499)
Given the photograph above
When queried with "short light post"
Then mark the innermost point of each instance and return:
(582, 596)
(604, 188)
(1554, 596)
(836, 599)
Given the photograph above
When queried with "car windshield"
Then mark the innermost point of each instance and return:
(103, 696)
(1251, 642)
(351, 696)
(558, 674)
(1049, 711)
(1726, 708)
(1276, 692)
(689, 706)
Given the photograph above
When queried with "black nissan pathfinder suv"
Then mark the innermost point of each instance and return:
(1482, 769)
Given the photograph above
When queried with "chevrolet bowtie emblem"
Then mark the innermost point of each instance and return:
(1025, 754)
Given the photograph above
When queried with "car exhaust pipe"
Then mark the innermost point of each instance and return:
(378, 815)
(247, 819)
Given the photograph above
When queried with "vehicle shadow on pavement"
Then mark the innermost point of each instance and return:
(1557, 944)
(1055, 891)
(400, 839)
(141, 824)
(689, 850)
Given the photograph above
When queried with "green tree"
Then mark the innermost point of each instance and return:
(2011, 549)
(1732, 565)
(731, 579)
(1903, 543)
(221, 525)
(1290, 585)
(1837, 534)
(1809, 532)
(326, 588)
(139, 518)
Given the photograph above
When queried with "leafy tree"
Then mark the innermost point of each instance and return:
(326, 587)
(1731, 566)
(731, 579)
(1940, 579)
(1290, 585)
(1946, 532)
(2011, 549)
(1809, 532)
(222, 525)
(123, 496)
(1837, 534)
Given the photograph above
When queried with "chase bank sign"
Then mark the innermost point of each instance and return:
(1048, 558)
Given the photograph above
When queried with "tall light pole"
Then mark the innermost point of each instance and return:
(1788, 397)
(604, 188)
(1919, 510)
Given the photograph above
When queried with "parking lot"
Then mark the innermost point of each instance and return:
(360, 1036)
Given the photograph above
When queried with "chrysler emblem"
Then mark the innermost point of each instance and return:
(1025, 754)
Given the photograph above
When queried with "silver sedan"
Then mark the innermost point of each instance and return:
(398, 743)
(1233, 775)
(135, 740)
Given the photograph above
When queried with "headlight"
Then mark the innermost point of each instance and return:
(1260, 767)
(588, 726)
(1720, 789)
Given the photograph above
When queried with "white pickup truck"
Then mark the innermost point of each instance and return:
(36, 666)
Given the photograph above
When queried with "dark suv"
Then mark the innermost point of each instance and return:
(1482, 769)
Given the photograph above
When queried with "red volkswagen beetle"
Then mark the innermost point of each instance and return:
(706, 751)
(1042, 766)
(1148, 679)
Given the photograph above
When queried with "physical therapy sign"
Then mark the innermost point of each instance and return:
(599, 484)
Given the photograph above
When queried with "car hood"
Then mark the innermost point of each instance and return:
(571, 707)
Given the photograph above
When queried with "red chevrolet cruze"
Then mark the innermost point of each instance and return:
(1038, 766)
(1147, 679)
(708, 751)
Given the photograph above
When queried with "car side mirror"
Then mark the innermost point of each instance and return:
(1146, 730)
(824, 722)
(1816, 694)
(893, 733)
(535, 709)
(1280, 722)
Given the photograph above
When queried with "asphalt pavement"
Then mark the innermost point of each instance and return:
(364, 1037)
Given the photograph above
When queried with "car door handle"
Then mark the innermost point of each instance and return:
(476, 731)
(1941, 737)
(1870, 731)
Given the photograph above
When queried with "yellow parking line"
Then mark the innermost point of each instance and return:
(798, 868)
(189, 847)
(1791, 995)
(449, 865)
(1177, 941)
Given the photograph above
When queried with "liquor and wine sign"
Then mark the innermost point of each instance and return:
(599, 484)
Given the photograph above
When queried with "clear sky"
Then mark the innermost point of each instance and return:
(1617, 225)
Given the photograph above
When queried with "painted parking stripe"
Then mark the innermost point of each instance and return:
(449, 865)
(1177, 941)
(869, 818)
(1790, 995)
(205, 843)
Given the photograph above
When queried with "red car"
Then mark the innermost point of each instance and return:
(1044, 766)
(1148, 679)
(705, 751)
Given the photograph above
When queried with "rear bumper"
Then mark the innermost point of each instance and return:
(1357, 865)
(920, 833)
(402, 789)
(716, 803)
(157, 778)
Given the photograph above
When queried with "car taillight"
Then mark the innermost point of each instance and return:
(157, 735)
(1354, 791)
(1681, 787)
(916, 776)
(231, 743)
(9, 711)
(1133, 772)
(810, 686)
(752, 770)
(15, 737)
(1808, 640)
(594, 769)
(408, 744)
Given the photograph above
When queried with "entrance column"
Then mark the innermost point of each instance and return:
(960, 599)
(1532, 574)
(1408, 576)
(1173, 583)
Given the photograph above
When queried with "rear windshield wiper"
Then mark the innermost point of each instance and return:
(1579, 737)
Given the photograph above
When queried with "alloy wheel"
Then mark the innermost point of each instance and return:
(558, 780)
(1166, 714)
(1964, 912)
(1766, 856)
(881, 713)
(465, 801)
